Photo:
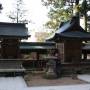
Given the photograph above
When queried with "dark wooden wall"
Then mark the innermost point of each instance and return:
(70, 50)
(10, 48)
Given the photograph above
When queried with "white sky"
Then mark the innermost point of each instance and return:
(37, 13)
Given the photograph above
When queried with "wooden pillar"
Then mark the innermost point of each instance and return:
(38, 55)
(60, 47)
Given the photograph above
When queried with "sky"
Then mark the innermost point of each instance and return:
(37, 13)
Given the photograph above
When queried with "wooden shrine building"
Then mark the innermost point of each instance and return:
(10, 38)
(69, 38)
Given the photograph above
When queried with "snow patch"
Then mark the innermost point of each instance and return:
(12, 83)
(64, 87)
(84, 77)
(18, 83)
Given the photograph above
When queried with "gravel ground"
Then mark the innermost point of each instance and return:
(38, 80)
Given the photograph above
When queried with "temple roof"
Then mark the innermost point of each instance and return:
(71, 30)
(13, 30)
(36, 46)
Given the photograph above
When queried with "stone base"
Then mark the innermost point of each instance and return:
(50, 75)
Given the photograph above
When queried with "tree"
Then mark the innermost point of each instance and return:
(41, 36)
(62, 10)
(85, 7)
(58, 12)
(1, 7)
(18, 14)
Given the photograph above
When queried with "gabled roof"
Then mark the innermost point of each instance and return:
(13, 30)
(76, 35)
(71, 30)
(70, 27)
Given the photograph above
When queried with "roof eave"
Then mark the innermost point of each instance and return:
(13, 37)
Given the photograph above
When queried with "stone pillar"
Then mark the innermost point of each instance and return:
(50, 69)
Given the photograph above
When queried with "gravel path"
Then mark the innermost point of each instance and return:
(38, 80)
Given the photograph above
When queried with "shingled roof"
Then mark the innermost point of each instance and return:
(71, 30)
(13, 30)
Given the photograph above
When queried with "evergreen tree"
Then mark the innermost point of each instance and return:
(59, 12)
(18, 14)
(1, 7)
(85, 7)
